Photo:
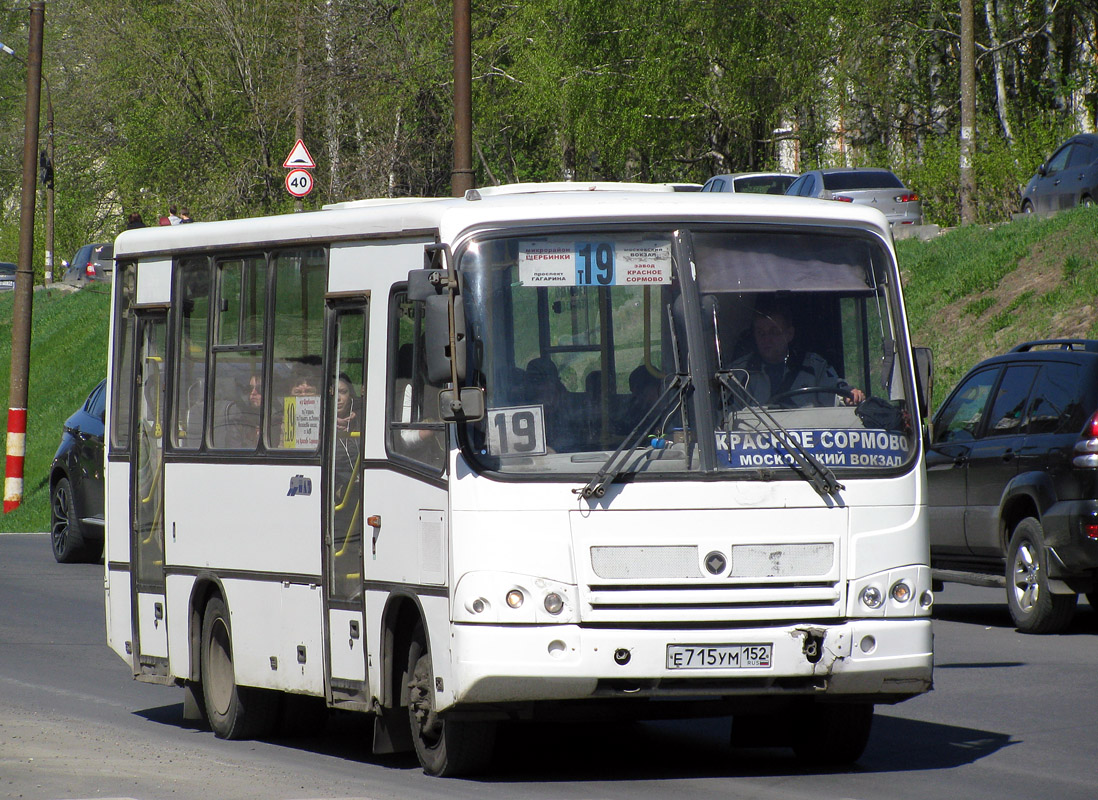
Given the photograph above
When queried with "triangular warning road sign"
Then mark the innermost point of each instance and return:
(299, 157)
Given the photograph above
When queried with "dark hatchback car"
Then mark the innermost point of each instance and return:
(76, 484)
(92, 262)
(1068, 179)
(1012, 466)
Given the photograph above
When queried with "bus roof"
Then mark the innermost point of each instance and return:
(519, 204)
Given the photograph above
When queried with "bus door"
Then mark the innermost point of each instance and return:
(150, 630)
(343, 522)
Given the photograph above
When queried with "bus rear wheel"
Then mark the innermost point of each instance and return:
(445, 747)
(234, 712)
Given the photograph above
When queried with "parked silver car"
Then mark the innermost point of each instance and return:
(879, 188)
(751, 182)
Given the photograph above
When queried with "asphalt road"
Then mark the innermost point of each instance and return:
(1011, 716)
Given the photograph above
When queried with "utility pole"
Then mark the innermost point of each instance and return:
(47, 179)
(16, 446)
(461, 179)
(299, 90)
(968, 112)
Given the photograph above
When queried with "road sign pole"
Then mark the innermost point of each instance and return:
(16, 444)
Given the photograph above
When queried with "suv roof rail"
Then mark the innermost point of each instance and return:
(1089, 345)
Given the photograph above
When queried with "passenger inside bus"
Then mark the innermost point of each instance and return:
(644, 390)
(779, 371)
(247, 423)
(305, 378)
(545, 388)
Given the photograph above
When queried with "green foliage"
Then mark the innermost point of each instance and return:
(980, 290)
(68, 357)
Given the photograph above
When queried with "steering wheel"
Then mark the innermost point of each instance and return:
(802, 390)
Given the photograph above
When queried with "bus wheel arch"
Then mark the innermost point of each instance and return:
(444, 747)
(233, 711)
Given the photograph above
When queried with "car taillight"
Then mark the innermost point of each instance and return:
(911, 197)
(1086, 449)
(842, 198)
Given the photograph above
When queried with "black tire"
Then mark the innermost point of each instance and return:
(66, 533)
(832, 734)
(1034, 608)
(445, 747)
(234, 712)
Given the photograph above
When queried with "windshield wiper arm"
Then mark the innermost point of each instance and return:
(596, 487)
(821, 477)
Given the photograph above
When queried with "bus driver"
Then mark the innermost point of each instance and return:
(776, 368)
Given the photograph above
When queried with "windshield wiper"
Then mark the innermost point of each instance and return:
(821, 477)
(608, 473)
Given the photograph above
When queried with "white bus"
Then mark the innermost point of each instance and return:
(521, 455)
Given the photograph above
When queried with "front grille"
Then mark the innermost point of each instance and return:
(711, 601)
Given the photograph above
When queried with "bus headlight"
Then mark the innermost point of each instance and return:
(553, 603)
(895, 593)
(900, 592)
(871, 597)
(508, 598)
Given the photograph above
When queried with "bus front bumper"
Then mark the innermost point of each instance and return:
(878, 660)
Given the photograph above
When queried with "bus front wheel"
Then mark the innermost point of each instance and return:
(831, 734)
(234, 712)
(445, 747)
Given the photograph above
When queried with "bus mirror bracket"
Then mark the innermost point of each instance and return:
(924, 378)
(469, 405)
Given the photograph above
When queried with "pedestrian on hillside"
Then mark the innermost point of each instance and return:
(173, 215)
(134, 221)
(185, 215)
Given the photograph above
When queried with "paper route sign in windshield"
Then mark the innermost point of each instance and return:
(834, 448)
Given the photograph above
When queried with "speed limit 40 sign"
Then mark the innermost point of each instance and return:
(299, 182)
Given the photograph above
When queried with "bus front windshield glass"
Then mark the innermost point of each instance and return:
(779, 348)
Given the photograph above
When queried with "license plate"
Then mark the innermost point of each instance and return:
(718, 656)
(7, 284)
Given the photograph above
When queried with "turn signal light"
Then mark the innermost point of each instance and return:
(910, 197)
(842, 198)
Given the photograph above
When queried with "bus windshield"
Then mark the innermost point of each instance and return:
(777, 345)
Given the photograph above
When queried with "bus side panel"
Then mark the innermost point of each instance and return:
(119, 614)
(301, 666)
(277, 634)
(178, 591)
(257, 517)
(116, 555)
(152, 614)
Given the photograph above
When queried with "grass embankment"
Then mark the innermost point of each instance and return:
(977, 291)
(971, 293)
(68, 357)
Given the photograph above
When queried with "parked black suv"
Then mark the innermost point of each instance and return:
(1012, 465)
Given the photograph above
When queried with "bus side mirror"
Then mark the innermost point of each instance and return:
(469, 405)
(424, 283)
(436, 334)
(924, 378)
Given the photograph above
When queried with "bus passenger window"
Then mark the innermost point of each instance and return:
(192, 304)
(416, 431)
(236, 394)
(293, 408)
